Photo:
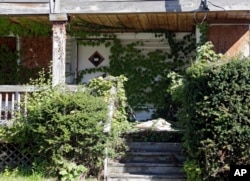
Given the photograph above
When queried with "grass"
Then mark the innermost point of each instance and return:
(22, 175)
(34, 177)
(26, 175)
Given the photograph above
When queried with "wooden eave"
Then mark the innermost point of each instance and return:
(131, 15)
(180, 22)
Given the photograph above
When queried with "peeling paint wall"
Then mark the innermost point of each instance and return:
(59, 52)
(230, 39)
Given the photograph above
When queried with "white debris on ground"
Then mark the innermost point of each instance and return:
(159, 124)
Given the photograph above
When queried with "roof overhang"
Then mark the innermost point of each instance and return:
(8, 7)
(131, 15)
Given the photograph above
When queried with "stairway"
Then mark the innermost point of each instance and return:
(149, 161)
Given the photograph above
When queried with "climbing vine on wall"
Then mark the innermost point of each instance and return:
(12, 71)
(203, 28)
(147, 73)
(24, 27)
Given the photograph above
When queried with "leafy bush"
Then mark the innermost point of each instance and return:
(217, 104)
(63, 129)
(193, 170)
(121, 115)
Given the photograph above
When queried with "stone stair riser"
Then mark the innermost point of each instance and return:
(149, 161)
(161, 158)
(145, 179)
(160, 147)
(145, 169)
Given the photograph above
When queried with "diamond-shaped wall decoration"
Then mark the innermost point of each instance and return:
(96, 58)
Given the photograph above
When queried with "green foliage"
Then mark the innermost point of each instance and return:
(204, 28)
(175, 88)
(121, 116)
(102, 87)
(24, 27)
(147, 74)
(70, 171)
(62, 126)
(65, 129)
(193, 171)
(20, 174)
(205, 53)
(217, 104)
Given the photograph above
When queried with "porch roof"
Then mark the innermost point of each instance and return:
(132, 15)
(141, 22)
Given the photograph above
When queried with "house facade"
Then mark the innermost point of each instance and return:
(131, 21)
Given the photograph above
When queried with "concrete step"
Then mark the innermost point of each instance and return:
(145, 168)
(149, 161)
(153, 157)
(154, 146)
(136, 177)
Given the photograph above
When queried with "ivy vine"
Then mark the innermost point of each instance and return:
(13, 73)
(203, 28)
(24, 27)
(147, 73)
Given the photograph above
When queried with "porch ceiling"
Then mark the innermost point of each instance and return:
(141, 22)
(180, 22)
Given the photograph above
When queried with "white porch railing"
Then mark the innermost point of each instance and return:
(11, 97)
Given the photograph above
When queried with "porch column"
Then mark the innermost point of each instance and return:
(59, 49)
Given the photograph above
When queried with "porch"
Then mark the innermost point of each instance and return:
(130, 18)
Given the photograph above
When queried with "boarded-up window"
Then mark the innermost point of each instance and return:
(36, 54)
(8, 61)
(230, 39)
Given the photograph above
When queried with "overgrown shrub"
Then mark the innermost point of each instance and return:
(122, 115)
(63, 129)
(217, 119)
